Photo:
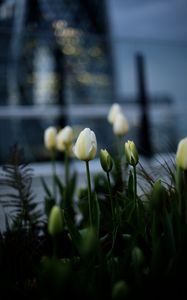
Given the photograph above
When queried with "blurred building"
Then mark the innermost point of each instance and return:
(65, 62)
(55, 58)
(156, 29)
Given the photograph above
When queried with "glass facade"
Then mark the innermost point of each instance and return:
(61, 63)
(55, 59)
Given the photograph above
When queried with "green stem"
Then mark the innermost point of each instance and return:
(114, 231)
(110, 195)
(182, 197)
(66, 163)
(179, 187)
(118, 165)
(89, 192)
(54, 172)
(66, 167)
(119, 142)
(135, 190)
(185, 195)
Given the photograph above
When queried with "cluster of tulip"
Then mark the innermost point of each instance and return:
(86, 146)
(60, 141)
(162, 226)
(85, 149)
(121, 236)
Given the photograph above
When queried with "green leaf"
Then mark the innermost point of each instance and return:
(19, 197)
(74, 233)
(169, 234)
(72, 186)
(59, 185)
(44, 184)
(49, 203)
(155, 230)
(89, 241)
(7, 225)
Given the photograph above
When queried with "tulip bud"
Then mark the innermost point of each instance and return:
(55, 223)
(120, 290)
(113, 112)
(86, 145)
(89, 240)
(137, 256)
(181, 155)
(120, 125)
(159, 196)
(131, 153)
(50, 138)
(64, 138)
(105, 160)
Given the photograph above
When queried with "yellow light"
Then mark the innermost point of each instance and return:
(69, 50)
(59, 24)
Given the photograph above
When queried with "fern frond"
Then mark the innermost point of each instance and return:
(18, 197)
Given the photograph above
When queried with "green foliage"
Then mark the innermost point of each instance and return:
(136, 246)
(18, 197)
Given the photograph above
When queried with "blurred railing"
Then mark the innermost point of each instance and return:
(28, 122)
(37, 111)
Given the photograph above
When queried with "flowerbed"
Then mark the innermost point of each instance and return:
(125, 245)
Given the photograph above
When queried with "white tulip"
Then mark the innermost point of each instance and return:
(181, 155)
(113, 112)
(120, 125)
(86, 145)
(64, 138)
(131, 153)
(50, 138)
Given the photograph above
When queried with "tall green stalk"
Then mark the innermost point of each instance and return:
(117, 161)
(185, 195)
(110, 195)
(89, 193)
(135, 192)
(66, 167)
(182, 194)
(114, 231)
(119, 147)
(53, 156)
(66, 162)
(181, 191)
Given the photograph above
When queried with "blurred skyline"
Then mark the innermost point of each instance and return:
(157, 30)
(76, 53)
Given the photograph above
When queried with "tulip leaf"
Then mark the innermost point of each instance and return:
(169, 233)
(155, 230)
(49, 203)
(60, 185)
(73, 231)
(72, 186)
(130, 186)
(44, 184)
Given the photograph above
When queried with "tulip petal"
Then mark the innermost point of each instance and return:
(181, 156)
(86, 145)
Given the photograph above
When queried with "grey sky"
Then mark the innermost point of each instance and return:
(158, 30)
(149, 19)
